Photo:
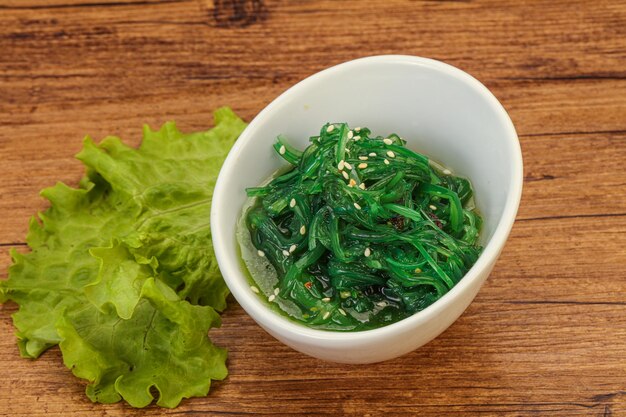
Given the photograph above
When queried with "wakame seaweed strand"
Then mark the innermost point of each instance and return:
(359, 232)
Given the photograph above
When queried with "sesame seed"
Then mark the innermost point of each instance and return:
(367, 252)
(344, 294)
(417, 270)
(326, 299)
(372, 154)
(286, 252)
(293, 248)
(386, 162)
(276, 291)
(271, 298)
(341, 164)
(350, 134)
(345, 174)
(447, 172)
(387, 141)
(357, 129)
(390, 154)
(362, 165)
(282, 150)
(363, 158)
(303, 230)
(352, 182)
(432, 207)
(326, 315)
(292, 203)
(362, 186)
(254, 289)
(357, 137)
(357, 206)
(330, 128)
(381, 304)
(341, 311)
(260, 253)
(347, 165)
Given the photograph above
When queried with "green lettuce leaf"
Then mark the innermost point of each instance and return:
(129, 254)
(169, 182)
(120, 279)
(173, 356)
(50, 279)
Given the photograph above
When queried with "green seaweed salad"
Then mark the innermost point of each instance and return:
(358, 232)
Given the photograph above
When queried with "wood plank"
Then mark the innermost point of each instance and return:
(494, 359)
(574, 175)
(513, 39)
(557, 181)
(533, 323)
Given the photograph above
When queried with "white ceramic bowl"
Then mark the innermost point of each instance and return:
(442, 112)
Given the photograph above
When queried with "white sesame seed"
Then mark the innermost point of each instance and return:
(357, 137)
(432, 207)
(293, 248)
(362, 165)
(357, 206)
(350, 134)
(362, 186)
(341, 164)
(326, 315)
(372, 154)
(386, 162)
(387, 141)
(347, 165)
(282, 150)
(352, 182)
(292, 203)
(286, 252)
(447, 172)
(344, 294)
(367, 252)
(260, 253)
(341, 311)
(254, 289)
(303, 230)
(330, 128)
(276, 291)
(381, 304)
(417, 271)
(390, 154)
(363, 158)
(357, 129)
(271, 298)
(345, 174)
(326, 299)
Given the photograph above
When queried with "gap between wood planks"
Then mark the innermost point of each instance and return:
(84, 5)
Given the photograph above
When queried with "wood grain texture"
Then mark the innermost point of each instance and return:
(547, 333)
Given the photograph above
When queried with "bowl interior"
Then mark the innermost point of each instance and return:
(440, 110)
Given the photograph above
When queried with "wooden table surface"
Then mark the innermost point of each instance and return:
(547, 333)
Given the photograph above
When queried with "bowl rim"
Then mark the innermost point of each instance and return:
(261, 313)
